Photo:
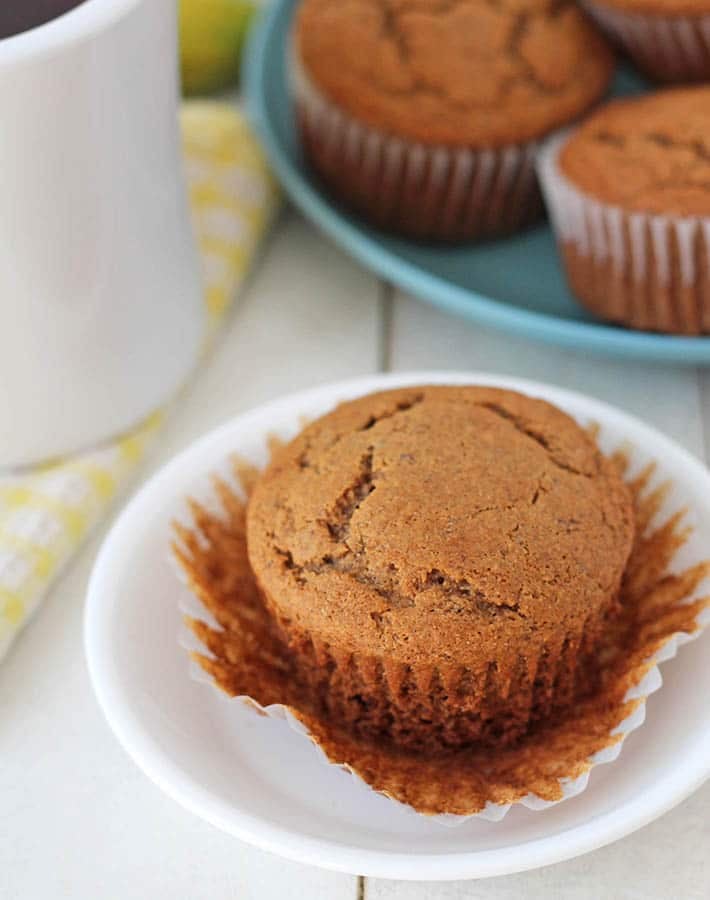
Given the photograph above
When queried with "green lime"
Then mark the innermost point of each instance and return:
(212, 34)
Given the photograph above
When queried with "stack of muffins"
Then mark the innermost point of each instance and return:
(429, 120)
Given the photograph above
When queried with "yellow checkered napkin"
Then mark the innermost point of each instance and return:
(46, 513)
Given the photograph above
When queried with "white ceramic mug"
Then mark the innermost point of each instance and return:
(101, 313)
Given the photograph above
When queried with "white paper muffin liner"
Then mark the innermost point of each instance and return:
(666, 48)
(192, 608)
(645, 270)
(493, 812)
(424, 191)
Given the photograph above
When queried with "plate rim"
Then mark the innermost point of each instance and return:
(334, 855)
(606, 340)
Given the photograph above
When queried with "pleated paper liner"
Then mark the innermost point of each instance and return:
(645, 270)
(235, 646)
(424, 191)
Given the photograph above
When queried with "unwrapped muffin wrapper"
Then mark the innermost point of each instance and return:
(645, 270)
(666, 48)
(425, 191)
(669, 613)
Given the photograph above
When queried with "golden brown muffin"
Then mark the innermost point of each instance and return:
(648, 154)
(472, 73)
(421, 115)
(667, 39)
(638, 175)
(441, 559)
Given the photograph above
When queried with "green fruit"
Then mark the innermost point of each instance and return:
(212, 34)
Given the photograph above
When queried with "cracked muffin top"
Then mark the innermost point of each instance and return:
(646, 154)
(432, 523)
(476, 73)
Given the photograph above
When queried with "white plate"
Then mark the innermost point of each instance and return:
(257, 779)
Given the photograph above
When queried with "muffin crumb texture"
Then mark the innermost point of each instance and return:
(441, 559)
(381, 63)
(246, 656)
(647, 154)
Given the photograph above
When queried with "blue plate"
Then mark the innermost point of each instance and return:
(515, 285)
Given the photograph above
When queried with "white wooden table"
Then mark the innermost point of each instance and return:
(78, 820)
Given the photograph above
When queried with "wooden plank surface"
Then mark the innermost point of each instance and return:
(665, 859)
(79, 820)
(667, 397)
(310, 315)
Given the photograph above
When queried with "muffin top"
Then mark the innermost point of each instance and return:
(646, 154)
(439, 524)
(477, 73)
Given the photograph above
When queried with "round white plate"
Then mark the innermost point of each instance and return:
(257, 779)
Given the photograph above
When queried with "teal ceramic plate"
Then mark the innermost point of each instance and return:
(515, 285)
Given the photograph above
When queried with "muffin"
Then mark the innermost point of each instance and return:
(442, 561)
(424, 118)
(667, 39)
(629, 197)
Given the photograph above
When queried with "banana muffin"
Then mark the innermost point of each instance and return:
(424, 117)
(666, 39)
(629, 196)
(442, 561)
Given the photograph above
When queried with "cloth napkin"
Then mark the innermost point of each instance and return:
(46, 512)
